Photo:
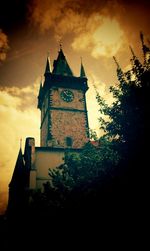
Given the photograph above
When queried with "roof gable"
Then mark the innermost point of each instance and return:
(61, 66)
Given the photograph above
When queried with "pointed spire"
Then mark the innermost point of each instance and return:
(40, 86)
(82, 71)
(47, 69)
(17, 178)
(48, 66)
(61, 66)
(40, 89)
(60, 46)
(21, 143)
(40, 95)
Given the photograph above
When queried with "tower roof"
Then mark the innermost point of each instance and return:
(40, 95)
(82, 71)
(18, 174)
(47, 69)
(61, 66)
(40, 89)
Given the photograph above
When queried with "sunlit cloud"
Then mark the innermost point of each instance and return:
(46, 13)
(92, 105)
(103, 37)
(108, 38)
(16, 123)
(97, 33)
(100, 28)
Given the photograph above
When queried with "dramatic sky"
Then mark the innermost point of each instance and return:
(93, 29)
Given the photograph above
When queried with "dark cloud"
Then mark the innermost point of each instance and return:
(133, 16)
(13, 14)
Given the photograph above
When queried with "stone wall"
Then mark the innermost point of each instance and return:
(64, 123)
(69, 124)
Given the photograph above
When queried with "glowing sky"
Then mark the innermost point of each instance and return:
(95, 30)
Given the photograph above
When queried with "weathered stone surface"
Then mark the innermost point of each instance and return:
(44, 132)
(69, 124)
(60, 124)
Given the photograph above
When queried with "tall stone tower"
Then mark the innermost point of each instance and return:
(62, 101)
(64, 127)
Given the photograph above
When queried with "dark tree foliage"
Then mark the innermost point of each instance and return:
(129, 128)
(129, 115)
(74, 184)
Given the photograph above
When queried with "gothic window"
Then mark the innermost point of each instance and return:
(69, 141)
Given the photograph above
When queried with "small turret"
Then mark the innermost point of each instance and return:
(17, 178)
(48, 66)
(82, 71)
(40, 96)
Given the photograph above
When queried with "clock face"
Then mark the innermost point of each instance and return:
(67, 95)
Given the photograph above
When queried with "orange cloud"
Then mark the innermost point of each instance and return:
(102, 28)
(3, 45)
(92, 105)
(103, 37)
(46, 13)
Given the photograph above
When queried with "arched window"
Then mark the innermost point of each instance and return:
(69, 141)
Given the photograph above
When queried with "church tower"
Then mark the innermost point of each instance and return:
(62, 102)
(64, 127)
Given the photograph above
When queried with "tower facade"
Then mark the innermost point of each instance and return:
(62, 101)
(64, 127)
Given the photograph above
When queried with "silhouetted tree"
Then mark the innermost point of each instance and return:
(128, 126)
(129, 123)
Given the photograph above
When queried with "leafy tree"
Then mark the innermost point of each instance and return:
(80, 176)
(93, 135)
(128, 126)
(84, 167)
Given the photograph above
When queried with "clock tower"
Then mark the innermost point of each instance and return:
(64, 126)
(62, 102)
